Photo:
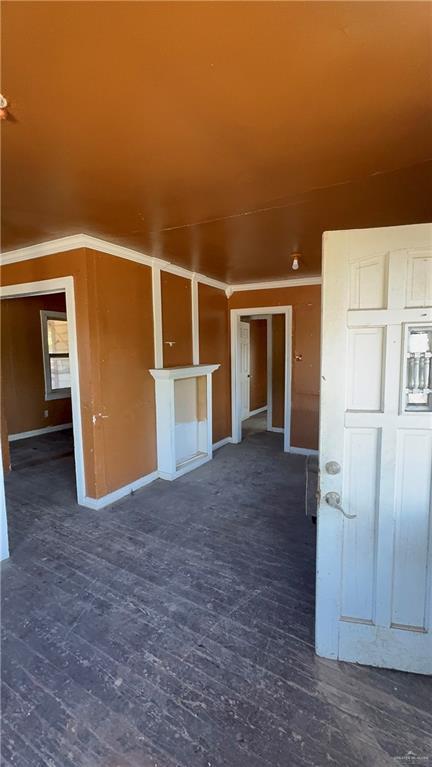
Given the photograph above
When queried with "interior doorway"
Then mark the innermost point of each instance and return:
(40, 413)
(261, 371)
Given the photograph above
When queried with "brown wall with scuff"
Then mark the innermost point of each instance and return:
(115, 349)
(23, 380)
(214, 347)
(258, 364)
(306, 303)
(121, 318)
(176, 320)
(278, 370)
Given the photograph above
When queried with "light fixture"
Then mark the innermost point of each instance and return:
(295, 261)
(3, 107)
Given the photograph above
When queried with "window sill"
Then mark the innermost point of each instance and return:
(60, 394)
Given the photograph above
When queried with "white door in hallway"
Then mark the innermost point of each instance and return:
(245, 369)
(374, 554)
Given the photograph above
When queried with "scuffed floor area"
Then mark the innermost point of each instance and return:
(176, 629)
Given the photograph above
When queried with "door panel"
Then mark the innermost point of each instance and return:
(413, 519)
(358, 556)
(365, 368)
(374, 565)
(419, 282)
(368, 283)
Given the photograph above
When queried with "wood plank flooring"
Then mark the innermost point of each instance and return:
(175, 629)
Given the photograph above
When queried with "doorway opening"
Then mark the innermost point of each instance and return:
(40, 406)
(261, 372)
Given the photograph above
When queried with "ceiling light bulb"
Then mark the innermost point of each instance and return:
(295, 262)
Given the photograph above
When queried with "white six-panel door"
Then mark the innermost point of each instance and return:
(374, 557)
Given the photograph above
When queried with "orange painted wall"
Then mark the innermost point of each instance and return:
(121, 322)
(176, 320)
(258, 364)
(306, 303)
(22, 365)
(214, 346)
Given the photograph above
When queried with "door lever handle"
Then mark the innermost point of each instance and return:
(334, 500)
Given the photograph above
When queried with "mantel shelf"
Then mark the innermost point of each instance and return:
(184, 371)
(183, 418)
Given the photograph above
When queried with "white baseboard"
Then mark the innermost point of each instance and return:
(186, 467)
(258, 410)
(222, 442)
(277, 429)
(303, 451)
(122, 492)
(37, 432)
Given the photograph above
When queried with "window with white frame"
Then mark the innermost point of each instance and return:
(55, 346)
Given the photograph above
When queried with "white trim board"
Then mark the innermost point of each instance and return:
(38, 432)
(122, 492)
(235, 315)
(76, 241)
(195, 320)
(303, 451)
(193, 463)
(295, 282)
(269, 373)
(182, 371)
(4, 538)
(222, 442)
(157, 316)
(257, 411)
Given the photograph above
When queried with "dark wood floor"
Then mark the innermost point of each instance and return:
(176, 628)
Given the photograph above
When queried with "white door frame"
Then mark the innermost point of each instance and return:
(61, 285)
(4, 539)
(235, 315)
(269, 321)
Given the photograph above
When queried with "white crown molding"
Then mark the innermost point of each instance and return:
(60, 245)
(76, 241)
(295, 282)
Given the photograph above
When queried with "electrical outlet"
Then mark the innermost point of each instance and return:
(45, 413)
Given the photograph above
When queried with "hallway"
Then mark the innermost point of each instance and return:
(176, 629)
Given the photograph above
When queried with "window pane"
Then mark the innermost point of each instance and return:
(58, 342)
(60, 373)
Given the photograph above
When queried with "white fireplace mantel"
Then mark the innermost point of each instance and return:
(183, 418)
(184, 371)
